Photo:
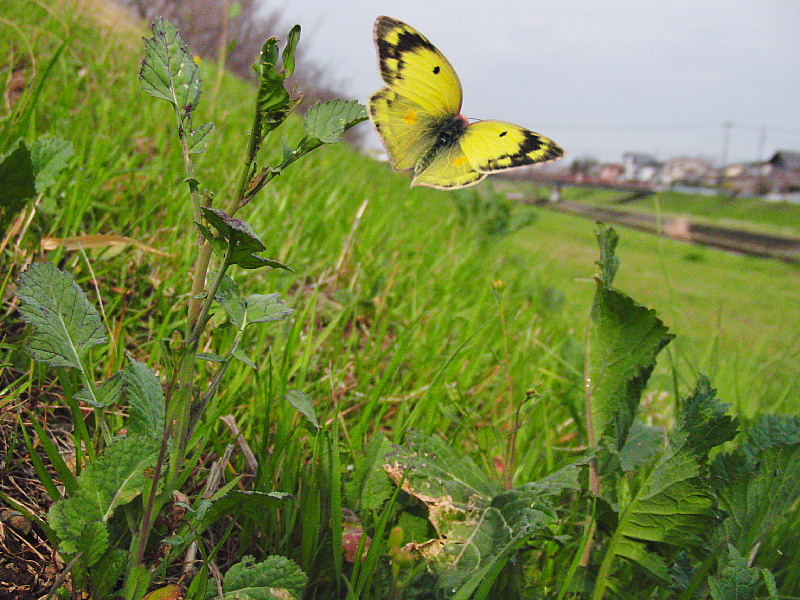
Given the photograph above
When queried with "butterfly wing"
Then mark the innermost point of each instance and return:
(413, 68)
(495, 145)
(407, 131)
(447, 169)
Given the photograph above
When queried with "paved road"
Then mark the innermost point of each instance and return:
(682, 228)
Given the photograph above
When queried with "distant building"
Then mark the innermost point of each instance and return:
(782, 174)
(688, 171)
(640, 167)
(610, 172)
(785, 160)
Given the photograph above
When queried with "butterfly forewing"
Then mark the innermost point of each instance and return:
(407, 131)
(412, 67)
(495, 145)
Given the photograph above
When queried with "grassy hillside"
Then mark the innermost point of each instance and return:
(410, 315)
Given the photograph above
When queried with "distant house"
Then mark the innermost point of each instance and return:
(610, 172)
(640, 167)
(784, 160)
(688, 171)
(782, 173)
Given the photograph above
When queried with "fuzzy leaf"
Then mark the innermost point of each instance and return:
(146, 399)
(624, 340)
(766, 486)
(168, 70)
(113, 480)
(305, 405)
(737, 581)
(703, 419)
(50, 156)
(65, 323)
(107, 393)
(276, 578)
(93, 542)
(327, 121)
(638, 553)
(263, 308)
(17, 182)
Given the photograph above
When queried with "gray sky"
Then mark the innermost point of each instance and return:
(601, 77)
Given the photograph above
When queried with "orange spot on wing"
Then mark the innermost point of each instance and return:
(460, 161)
(411, 116)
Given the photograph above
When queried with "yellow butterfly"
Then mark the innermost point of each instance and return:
(417, 116)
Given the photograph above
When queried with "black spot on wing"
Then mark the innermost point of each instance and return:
(531, 143)
(436, 70)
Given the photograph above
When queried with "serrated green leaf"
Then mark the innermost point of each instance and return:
(198, 139)
(607, 240)
(146, 399)
(303, 403)
(276, 578)
(767, 485)
(65, 323)
(288, 59)
(624, 340)
(263, 308)
(327, 121)
(17, 182)
(168, 70)
(50, 156)
(93, 542)
(737, 581)
(273, 101)
(107, 393)
(113, 480)
(703, 419)
(107, 572)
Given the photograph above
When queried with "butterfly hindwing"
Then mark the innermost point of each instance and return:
(412, 67)
(447, 168)
(407, 131)
(496, 145)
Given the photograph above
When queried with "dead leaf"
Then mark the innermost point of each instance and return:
(98, 241)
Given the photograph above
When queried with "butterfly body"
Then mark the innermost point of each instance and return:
(418, 118)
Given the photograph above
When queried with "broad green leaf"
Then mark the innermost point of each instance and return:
(303, 403)
(107, 393)
(642, 445)
(230, 298)
(703, 419)
(198, 139)
(113, 480)
(168, 70)
(638, 553)
(276, 578)
(237, 502)
(370, 486)
(767, 485)
(107, 571)
(146, 400)
(263, 308)
(93, 542)
(607, 240)
(241, 237)
(17, 183)
(737, 581)
(327, 121)
(50, 156)
(624, 340)
(65, 323)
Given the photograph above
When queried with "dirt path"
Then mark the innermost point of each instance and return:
(682, 228)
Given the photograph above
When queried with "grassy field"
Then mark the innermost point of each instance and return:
(750, 214)
(410, 314)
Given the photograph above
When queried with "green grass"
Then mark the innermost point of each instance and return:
(411, 319)
(751, 214)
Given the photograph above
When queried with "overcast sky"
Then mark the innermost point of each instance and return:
(601, 77)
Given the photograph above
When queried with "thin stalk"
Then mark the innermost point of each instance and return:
(594, 472)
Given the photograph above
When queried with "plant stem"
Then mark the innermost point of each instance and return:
(594, 474)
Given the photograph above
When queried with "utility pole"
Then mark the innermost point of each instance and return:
(726, 138)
